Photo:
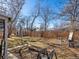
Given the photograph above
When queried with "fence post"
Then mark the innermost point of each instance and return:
(5, 56)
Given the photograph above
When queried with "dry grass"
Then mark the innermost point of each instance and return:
(42, 43)
(16, 41)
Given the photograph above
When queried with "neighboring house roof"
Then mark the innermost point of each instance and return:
(3, 17)
(67, 27)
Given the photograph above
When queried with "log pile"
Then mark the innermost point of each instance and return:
(43, 53)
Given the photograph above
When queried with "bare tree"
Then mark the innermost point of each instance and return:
(46, 14)
(21, 25)
(71, 12)
(27, 21)
(15, 7)
(35, 14)
(11, 8)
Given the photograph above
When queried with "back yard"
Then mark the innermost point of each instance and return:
(62, 49)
